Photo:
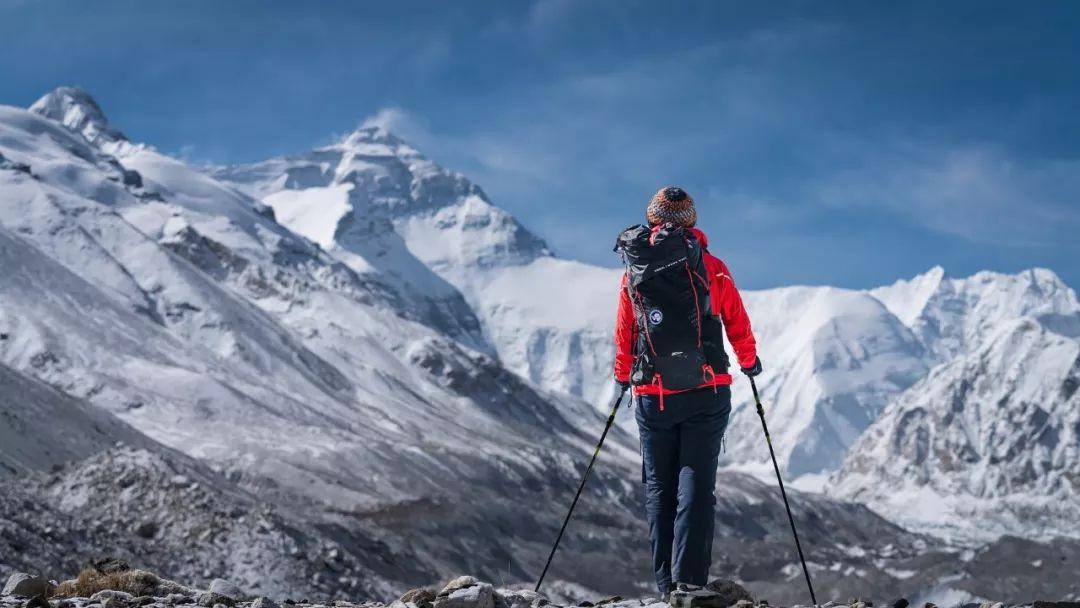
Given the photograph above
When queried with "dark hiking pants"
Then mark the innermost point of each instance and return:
(679, 449)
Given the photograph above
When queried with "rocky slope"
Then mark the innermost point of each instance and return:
(111, 583)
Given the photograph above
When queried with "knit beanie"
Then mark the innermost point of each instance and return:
(671, 204)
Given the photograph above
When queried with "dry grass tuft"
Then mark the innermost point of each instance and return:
(90, 581)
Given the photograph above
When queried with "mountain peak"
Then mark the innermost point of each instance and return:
(77, 110)
(907, 298)
(367, 135)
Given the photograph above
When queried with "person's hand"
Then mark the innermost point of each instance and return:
(754, 369)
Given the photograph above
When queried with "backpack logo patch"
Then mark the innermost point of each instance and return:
(656, 316)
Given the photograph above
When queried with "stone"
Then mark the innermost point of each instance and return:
(466, 592)
(421, 597)
(687, 596)
(37, 602)
(120, 598)
(177, 599)
(221, 586)
(458, 583)
(143, 600)
(900, 603)
(1043, 604)
(730, 591)
(27, 585)
(519, 598)
(264, 602)
(209, 599)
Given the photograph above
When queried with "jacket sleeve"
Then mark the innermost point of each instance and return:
(729, 306)
(625, 328)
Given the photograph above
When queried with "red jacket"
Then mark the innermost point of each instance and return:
(726, 302)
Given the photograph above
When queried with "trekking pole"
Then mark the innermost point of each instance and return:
(783, 493)
(584, 478)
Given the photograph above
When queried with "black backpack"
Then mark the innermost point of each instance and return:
(679, 340)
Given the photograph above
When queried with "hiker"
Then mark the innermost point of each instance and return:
(675, 303)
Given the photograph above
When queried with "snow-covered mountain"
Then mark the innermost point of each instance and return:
(362, 340)
(378, 204)
(350, 385)
(988, 443)
(835, 357)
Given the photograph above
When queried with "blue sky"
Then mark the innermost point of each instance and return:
(849, 143)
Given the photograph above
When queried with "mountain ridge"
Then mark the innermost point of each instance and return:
(330, 388)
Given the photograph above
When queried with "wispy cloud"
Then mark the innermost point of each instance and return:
(978, 193)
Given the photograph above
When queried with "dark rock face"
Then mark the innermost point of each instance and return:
(27, 585)
(132, 178)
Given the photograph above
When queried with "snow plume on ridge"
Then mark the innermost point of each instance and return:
(77, 110)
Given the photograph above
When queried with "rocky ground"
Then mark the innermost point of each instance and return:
(171, 514)
(111, 583)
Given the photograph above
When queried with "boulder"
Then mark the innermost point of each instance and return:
(719, 593)
(730, 591)
(421, 597)
(458, 583)
(465, 592)
(27, 585)
(695, 598)
(223, 587)
(264, 602)
(37, 602)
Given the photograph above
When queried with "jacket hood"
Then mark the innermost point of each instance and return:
(700, 236)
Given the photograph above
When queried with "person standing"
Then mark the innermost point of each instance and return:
(676, 301)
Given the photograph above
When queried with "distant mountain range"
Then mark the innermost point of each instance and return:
(359, 341)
